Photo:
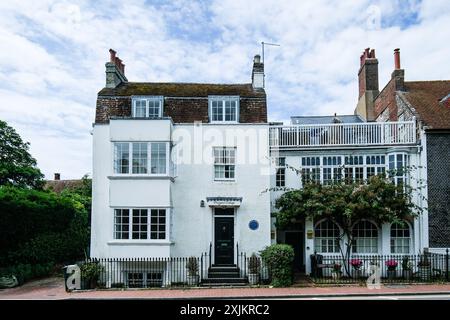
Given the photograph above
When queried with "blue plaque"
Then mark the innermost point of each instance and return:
(253, 225)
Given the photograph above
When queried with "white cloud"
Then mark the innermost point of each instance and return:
(52, 56)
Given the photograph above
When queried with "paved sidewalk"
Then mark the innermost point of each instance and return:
(53, 288)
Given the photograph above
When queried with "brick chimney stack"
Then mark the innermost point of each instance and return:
(115, 70)
(398, 75)
(368, 84)
(258, 73)
(57, 176)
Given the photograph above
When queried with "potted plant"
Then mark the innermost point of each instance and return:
(391, 268)
(90, 273)
(254, 265)
(192, 268)
(406, 268)
(356, 264)
(424, 268)
(336, 272)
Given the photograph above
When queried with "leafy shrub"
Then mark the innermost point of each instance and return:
(26, 272)
(279, 259)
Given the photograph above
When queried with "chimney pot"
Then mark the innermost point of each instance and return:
(397, 59)
(112, 55)
(57, 176)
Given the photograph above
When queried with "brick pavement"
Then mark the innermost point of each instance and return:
(53, 288)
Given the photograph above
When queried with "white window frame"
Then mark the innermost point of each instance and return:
(405, 163)
(167, 233)
(144, 277)
(356, 248)
(392, 240)
(335, 246)
(149, 159)
(147, 99)
(309, 168)
(223, 99)
(280, 166)
(223, 163)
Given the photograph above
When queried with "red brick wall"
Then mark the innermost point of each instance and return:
(386, 99)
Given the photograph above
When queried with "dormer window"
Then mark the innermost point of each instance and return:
(223, 109)
(147, 107)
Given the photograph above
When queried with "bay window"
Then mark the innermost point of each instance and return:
(143, 224)
(140, 157)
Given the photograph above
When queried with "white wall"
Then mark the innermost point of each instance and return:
(192, 226)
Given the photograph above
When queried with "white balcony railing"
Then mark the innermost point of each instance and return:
(343, 134)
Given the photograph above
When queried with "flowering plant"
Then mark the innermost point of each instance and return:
(391, 264)
(356, 263)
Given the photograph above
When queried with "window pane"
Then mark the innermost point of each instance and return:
(139, 226)
(154, 107)
(139, 110)
(139, 157)
(217, 110)
(224, 162)
(121, 157)
(158, 158)
(121, 223)
(157, 224)
(326, 235)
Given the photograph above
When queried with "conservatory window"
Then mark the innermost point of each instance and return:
(365, 237)
(326, 237)
(400, 238)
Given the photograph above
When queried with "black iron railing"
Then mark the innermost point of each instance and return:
(157, 272)
(418, 268)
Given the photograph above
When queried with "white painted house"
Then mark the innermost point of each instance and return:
(179, 169)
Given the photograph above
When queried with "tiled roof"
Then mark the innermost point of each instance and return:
(182, 89)
(325, 119)
(59, 185)
(425, 97)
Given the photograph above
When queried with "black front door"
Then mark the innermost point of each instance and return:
(223, 240)
(295, 239)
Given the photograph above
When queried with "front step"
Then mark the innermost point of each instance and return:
(224, 275)
(224, 282)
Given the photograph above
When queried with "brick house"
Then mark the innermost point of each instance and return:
(427, 103)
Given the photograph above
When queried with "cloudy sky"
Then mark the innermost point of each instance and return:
(52, 56)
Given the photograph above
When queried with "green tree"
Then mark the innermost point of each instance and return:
(17, 166)
(378, 199)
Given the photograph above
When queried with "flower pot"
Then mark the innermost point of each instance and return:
(407, 274)
(335, 275)
(392, 274)
(192, 280)
(253, 278)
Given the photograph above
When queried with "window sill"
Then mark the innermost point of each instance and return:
(225, 181)
(140, 243)
(141, 177)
